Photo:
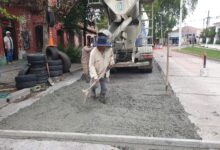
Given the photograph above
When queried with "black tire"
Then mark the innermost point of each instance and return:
(36, 69)
(42, 80)
(39, 73)
(149, 70)
(52, 53)
(66, 61)
(24, 70)
(26, 78)
(38, 65)
(56, 73)
(36, 57)
(55, 62)
(37, 62)
(23, 85)
(56, 68)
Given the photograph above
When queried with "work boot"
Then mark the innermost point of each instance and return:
(102, 98)
(83, 77)
(93, 93)
(87, 79)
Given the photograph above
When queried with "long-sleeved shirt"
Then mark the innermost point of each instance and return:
(85, 54)
(8, 42)
(99, 62)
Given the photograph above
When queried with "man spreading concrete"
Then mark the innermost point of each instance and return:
(85, 60)
(101, 60)
(9, 47)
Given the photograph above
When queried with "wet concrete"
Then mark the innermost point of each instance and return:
(137, 105)
(199, 95)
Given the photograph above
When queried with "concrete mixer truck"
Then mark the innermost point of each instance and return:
(128, 24)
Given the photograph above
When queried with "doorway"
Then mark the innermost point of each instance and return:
(39, 37)
(8, 25)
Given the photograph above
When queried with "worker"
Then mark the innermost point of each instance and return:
(101, 60)
(9, 47)
(85, 60)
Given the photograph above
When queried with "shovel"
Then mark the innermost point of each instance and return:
(86, 91)
(50, 81)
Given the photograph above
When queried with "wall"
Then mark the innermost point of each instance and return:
(27, 24)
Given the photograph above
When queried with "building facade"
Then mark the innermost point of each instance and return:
(217, 35)
(30, 32)
(190, 35)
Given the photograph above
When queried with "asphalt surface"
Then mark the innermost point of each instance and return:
(137, 105)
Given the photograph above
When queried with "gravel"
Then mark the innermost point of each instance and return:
(137, 105)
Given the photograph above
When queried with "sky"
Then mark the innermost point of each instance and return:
(195, 18)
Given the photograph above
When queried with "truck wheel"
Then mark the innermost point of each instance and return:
(148, 70)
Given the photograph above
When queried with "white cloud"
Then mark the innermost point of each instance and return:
(196, 18)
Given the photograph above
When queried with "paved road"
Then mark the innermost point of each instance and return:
(137, 105)
(200, 96)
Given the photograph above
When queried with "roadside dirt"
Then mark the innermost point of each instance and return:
(137, 105)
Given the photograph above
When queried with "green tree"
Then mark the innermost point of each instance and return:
(208, 33)
(102, 23)
(4, 12)
(169, 10)
(71, 19)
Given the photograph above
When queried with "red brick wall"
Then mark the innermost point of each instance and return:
(28, 23)
(1, 43)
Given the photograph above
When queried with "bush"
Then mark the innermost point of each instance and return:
(73, 53)
(218, 42)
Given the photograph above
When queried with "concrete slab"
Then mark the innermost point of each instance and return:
(12, 144)
(200, 96)
(15, 107)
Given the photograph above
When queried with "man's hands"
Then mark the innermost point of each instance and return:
(94, 80)
(109, 67)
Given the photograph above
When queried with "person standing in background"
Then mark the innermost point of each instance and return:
(9, 47)
(85, 60)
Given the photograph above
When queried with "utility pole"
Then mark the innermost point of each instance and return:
(180, 23)
(207, 24)
(161, 28)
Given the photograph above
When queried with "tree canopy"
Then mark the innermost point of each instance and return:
(169, 10)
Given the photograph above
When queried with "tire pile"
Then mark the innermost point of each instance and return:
(35, 72)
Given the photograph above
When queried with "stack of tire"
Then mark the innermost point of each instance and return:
(38, 67)
(35, 72)
(58, 61)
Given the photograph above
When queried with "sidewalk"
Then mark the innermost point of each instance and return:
(200, 96)
(28, 144)
(8, 72)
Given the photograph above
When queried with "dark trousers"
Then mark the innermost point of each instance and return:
(103, 84)
(9, 55)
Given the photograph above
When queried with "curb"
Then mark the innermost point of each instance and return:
(164, 76)
(76, 70)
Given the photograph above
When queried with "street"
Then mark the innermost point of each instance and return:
(137, 105)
